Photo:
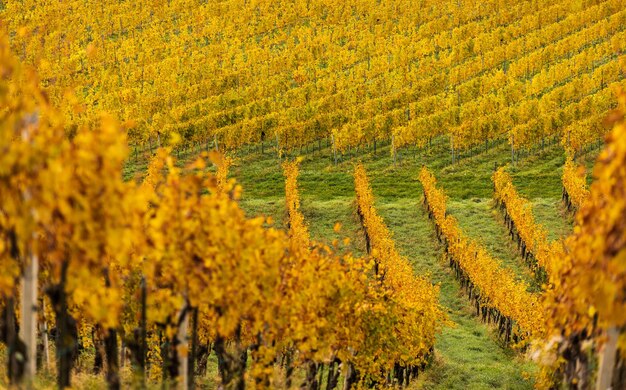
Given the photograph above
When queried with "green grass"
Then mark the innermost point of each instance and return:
(482, 222)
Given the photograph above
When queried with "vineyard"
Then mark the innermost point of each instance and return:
(313, 194)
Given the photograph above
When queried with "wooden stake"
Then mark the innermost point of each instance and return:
(46, 344)
(28, 319)
(183, 360)
(607, 360)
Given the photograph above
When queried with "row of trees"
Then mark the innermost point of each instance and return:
(415, 298)
(494, 290)
(531, 237)
(361, 72)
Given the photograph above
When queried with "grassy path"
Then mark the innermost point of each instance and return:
(538, 178)
(468, 355)
(481, 222)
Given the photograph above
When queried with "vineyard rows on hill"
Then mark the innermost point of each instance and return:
(164, 223)
(358, 72)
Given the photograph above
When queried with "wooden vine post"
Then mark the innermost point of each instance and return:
(607, 360)
(28, 319)
(182, 352)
